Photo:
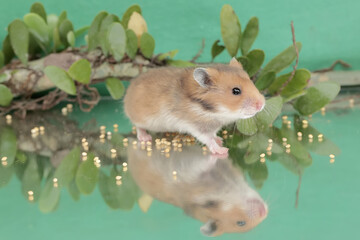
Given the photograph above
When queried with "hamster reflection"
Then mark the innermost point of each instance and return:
(208, 189)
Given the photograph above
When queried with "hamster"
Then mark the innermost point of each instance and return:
(198, 101)
(211, 191)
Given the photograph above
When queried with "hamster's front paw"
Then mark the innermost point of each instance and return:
(142, 135)
(216, 149)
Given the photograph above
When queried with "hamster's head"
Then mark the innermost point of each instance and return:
(229, 90)
(225, 218)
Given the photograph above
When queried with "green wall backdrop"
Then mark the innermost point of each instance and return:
(328, 29)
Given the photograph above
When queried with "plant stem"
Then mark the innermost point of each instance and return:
(297, 60)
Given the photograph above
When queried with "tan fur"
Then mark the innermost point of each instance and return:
(199, 180)
(172, 89)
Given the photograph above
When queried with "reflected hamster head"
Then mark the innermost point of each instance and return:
(229, 89)
(236, 218)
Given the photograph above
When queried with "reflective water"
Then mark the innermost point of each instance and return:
(70, 176)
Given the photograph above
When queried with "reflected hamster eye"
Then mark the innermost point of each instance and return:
(236, 91)
(241, 223)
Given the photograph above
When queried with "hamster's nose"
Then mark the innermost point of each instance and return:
(259, 105)
(259, 207)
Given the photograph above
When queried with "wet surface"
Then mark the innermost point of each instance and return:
(85, 176)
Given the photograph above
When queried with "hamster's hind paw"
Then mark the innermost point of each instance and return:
(142, 135)
(219, 141)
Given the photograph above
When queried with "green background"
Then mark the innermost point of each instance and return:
(328, 29)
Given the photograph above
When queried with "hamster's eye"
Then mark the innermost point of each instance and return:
(236, 91)
(241, 223)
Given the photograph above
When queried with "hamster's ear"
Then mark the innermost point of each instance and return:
(202, 76)
(234, 63)
(209, 228)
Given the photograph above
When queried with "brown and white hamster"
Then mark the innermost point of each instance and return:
(211, 191)
(198, 101)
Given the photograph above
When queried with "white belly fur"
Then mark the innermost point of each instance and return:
(165, 121)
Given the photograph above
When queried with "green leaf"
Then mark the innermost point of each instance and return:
(180, 63)
(265, 80)
(270, 112)
(35, 46)
(80, 71)
(300, 153)
(126, 16)
(21, 157)
(230, 29)
(294, 96)
(39, 9)
(6, 173)
(37, 27)
(7, 50)
(87, 175)
(65, 173)
(74, 191)
(49, 197)
(5, 96)
(115, 88)
(216, 49)
(19, 39)
(104, 27)
(116, 196)
(247, 126)
(167, 55)
(258, 173)
(116, 139)
(297, 83)
(117, 40)
(251, 157)
(81, 31)
(94, 30)
(52, 21)
(2, 60)
(62, 17)
(71, 38)
(283, 60)
(65, 27)
(316, 97)
(131, 43)
(250, 33)
(245, 62)
(147, 45)
(8, 144)
(31, 180)
(61, 79)
(20, 164)
(256, 58)
(288, 161)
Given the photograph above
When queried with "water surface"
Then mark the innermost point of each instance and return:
(134, 193)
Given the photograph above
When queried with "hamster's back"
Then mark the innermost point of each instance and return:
(149, 92)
